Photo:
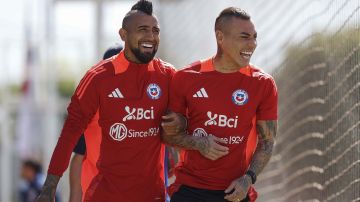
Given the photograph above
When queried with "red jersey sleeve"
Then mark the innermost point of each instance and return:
(177, 101)
(267, 109)
(84, 104)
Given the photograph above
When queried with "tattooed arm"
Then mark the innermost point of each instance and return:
(174, 135)
(208, 146)
(266, 131)
(49, 189)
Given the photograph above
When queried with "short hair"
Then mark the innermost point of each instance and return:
(144, 6)
(228, 13)
(35, 166)
(113, 50)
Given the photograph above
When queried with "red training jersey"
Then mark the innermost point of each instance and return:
(227, 106)
(93, 137)
(123, 101)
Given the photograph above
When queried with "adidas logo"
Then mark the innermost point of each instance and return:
(201, 93)
(116, 94)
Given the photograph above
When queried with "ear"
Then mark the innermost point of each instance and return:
(219, 36)
(123, 34)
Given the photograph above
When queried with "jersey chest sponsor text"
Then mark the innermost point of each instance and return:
(221, 120)
(119, 131)
(138, 113)
(232, 139)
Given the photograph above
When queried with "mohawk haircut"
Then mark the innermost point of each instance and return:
(144, 6)
(227, 14)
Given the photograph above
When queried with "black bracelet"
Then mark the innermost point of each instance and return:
(252, 176)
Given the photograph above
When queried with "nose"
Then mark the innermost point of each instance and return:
(252, 43)
(151, 35)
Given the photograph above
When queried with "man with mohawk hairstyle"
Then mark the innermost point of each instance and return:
(124, 97)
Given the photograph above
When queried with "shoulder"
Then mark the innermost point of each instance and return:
(260, 74)
(263, 79)
(163, 67)
(191, 69)
(101, 70)
(189, 72)
(95, 75)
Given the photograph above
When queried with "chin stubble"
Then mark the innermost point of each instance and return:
(142, 57)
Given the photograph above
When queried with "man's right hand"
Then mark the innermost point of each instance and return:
(49, 189)
(211, 147)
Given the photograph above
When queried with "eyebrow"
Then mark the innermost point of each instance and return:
(143, 26)
(146, 26)
(247, 34)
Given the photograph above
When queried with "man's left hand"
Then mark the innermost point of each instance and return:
(240, 186)
(173, 123)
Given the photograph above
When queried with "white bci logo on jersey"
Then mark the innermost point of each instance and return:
(138, 113)
(221, 120)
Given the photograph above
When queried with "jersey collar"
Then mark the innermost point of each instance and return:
(207, 65)
(121, 64)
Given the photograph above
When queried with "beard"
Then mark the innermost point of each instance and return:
(143, 57)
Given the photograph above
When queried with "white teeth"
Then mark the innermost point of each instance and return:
(246, 53)
(146, 45)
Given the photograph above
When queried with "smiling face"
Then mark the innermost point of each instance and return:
(141, 37)
(236, 42)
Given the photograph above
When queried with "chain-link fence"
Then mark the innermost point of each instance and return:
(317, 153)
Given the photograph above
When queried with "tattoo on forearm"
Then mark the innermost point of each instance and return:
(188, 142)
(202, 145)
(266, 132)
(50, 185)
(271, 125)
(261, 131)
